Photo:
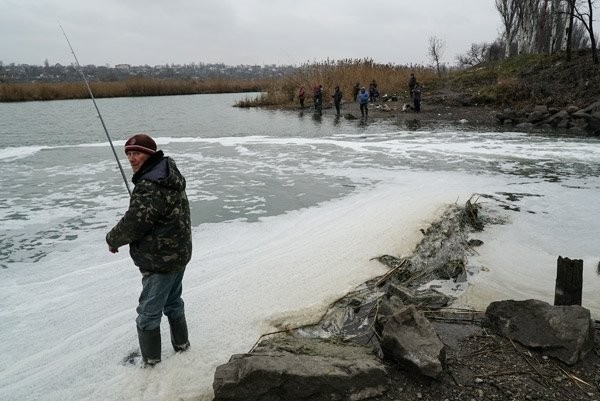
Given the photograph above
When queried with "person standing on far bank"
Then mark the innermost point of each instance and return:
(318, 99)
(355, 90)
(337, 99)
(301, 96)
(363, 101)
(411, 84)
(157, 228)
(417, 97)
(373, 91)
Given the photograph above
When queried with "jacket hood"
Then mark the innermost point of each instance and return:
(162, 170)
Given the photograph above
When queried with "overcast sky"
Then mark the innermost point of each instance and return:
(236, 32)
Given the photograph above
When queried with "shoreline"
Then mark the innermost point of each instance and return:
(432, 115)
(445, 110)
(478, 364)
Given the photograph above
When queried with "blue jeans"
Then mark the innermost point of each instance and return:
(161, 293)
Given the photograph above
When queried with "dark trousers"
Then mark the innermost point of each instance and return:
(364, 109)
(417, 103)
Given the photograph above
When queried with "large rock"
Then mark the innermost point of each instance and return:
(408, 338)
(594, 107)
(307, 369)
(562, 332)
(505, 115)
(557, 118)
(538, 114)
(581, 114)
(525, 126)
(594, 122)
(579, 121)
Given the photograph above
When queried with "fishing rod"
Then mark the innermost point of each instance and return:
(97, 109)
(304, 79)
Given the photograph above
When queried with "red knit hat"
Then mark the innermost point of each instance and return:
(141, 143)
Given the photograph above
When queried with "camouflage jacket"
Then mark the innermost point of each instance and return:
(157, 224)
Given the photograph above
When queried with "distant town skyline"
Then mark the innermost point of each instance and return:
(240, 32)
(23, 73)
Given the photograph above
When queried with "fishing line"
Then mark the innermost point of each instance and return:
(97, 109)
(304, 81)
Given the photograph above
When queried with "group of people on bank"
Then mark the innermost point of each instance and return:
(360, 95)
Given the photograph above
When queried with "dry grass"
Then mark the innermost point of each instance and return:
(391, 79)
(130, 87)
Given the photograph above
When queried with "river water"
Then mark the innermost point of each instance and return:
(288, 211)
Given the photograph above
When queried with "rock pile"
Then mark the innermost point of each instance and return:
(572, 119)
(290, 367)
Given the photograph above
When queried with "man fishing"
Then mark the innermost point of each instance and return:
(157, 228)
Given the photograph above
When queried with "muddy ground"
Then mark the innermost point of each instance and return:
(481, 366)
(441, 111)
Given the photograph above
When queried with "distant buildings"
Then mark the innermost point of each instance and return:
(21, 73)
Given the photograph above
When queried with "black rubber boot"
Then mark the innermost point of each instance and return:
(179, 334)
(149, 346)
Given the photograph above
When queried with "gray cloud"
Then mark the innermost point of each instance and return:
(240, 31)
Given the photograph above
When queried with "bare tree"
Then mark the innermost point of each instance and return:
(437, 47)
(526, 23)
(585, 14)
(476, 54)
(496, 50)
(545, 26)
(580, 39)
(541, 26)
(571, 11)
(510, 12)
(559, 14)
(551, 26)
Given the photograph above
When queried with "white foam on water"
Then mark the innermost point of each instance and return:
(71, 321)
(520, 258)
(19, 152)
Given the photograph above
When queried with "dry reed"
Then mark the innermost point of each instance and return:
(391, 79)
(131, 87)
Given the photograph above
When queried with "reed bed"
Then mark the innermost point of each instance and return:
(391, 79)
(278, 91)
(132, 87)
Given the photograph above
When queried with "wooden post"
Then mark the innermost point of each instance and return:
(569, 281)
